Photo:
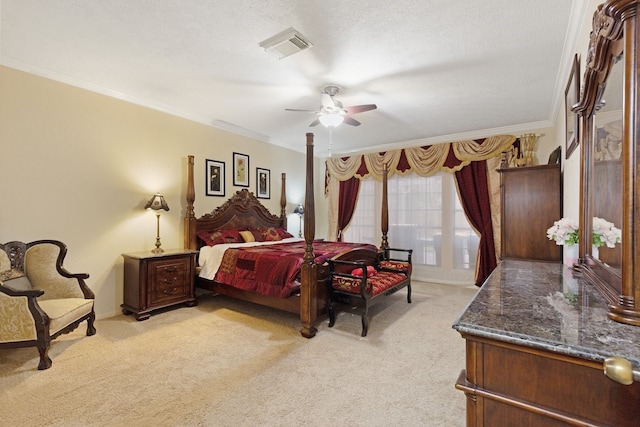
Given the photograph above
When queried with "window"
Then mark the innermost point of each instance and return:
(424, 214)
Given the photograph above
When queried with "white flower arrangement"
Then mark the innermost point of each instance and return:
(565, 232)
(605, 233)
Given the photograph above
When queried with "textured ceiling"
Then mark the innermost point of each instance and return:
(437, 69)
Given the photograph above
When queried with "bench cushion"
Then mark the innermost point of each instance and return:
(396, 265)
(379, 283)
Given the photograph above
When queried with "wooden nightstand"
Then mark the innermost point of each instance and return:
(153, 281)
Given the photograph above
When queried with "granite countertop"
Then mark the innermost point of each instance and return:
(541, 305)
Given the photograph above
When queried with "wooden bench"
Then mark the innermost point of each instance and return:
(365, 277)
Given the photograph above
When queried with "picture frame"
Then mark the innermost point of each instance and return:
(215, 175)
(240, 170)
(263, 183)
(571, 98)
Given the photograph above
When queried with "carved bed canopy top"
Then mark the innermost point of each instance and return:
(241, 211)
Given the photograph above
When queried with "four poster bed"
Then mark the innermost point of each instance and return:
(246, 273)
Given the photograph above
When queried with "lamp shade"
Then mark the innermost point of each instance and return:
(331, 120)
(157, 202)
(299, 209)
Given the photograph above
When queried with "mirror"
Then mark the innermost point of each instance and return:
(607, 171)
(610, 155)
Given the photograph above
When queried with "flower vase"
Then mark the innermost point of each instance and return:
(595, 252)
(570, 255)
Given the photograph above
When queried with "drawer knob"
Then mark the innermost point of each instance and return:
(620, 370)
(170, 280)
(170, 269)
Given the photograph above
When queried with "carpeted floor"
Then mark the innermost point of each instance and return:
(232, 363)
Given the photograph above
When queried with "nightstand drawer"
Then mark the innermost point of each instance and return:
(168, 280)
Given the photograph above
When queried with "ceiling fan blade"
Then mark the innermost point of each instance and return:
(360, 108)
(316, 122)
(327, 101)
(303, 111)
(351, 121)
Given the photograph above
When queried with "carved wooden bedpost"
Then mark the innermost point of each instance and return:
(309, 269)
(385, 210)
(283, 200)
(190, 218)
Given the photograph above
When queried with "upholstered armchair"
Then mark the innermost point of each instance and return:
(39, 298)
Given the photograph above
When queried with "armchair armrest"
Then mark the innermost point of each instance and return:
(20, 309)
(29, 293)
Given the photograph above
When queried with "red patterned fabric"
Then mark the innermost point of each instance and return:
(396, 265)
(274, 269)
(270, 234)
(377, 284)
(284, 234)
(217, 237)
(257, 235)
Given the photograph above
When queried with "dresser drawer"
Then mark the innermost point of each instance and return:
(168, 280)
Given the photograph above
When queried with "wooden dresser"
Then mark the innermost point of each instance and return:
(154, 281)
(531, 199)
(536, 338)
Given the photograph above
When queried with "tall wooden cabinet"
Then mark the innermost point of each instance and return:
(531, 199)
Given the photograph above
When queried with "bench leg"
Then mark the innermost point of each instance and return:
(365, 320)
(409, 293)
(332, 314)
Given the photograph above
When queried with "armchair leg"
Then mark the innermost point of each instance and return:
(45, 360)
(91, 330)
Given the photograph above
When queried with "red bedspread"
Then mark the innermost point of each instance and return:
(274, 269)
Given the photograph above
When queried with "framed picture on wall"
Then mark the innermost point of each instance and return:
(215, 178)
(240, 170)
(263, 183)
(571, 98)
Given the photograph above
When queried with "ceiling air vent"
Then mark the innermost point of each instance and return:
(285, 43)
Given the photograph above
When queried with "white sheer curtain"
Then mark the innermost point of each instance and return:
(424, 215)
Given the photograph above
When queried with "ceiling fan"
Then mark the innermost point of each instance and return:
(332, 113)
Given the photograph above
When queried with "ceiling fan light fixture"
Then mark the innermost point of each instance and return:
(331, 120)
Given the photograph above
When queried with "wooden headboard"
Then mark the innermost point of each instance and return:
(242, 211)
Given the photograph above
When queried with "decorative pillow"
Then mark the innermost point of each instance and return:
(270, 234)
(257, 235)
(284, 234)
(371, 271)
(247, 236)
(217, 237)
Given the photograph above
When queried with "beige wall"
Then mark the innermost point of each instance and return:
(571, 169)
(79, 166)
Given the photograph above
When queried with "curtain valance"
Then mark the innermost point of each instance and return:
(424, 161)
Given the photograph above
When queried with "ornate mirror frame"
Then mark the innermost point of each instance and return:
(614, 37)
